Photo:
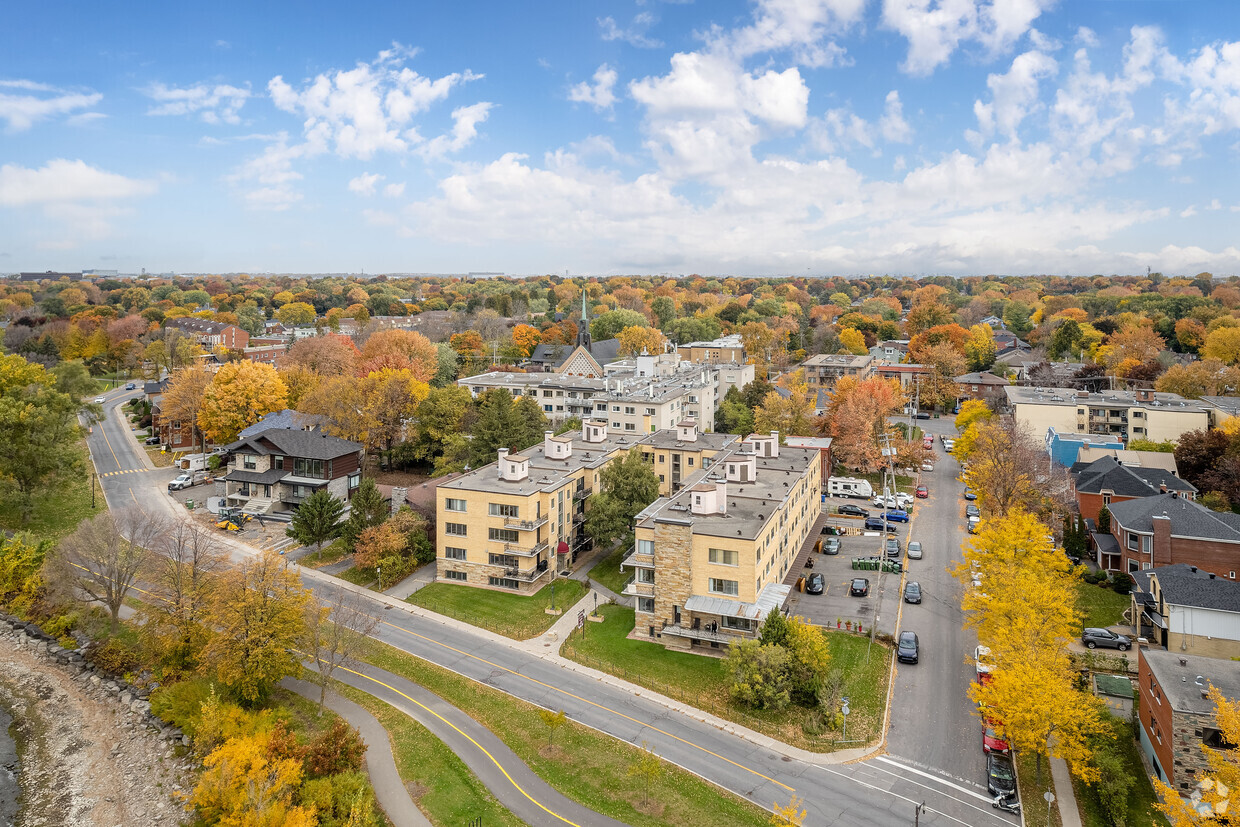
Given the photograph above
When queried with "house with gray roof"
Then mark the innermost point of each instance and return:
(276, 469)
(1186, 609)
(1166, 529)
(1106, 481)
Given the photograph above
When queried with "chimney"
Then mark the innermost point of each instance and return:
(499, 465)
(1162, 487)
(774, 444)
(1162, 540)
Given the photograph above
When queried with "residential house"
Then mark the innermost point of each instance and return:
(286, 418)
(1136, 459)
(1186, 609)
(822, 370)
(1177, 715)
(1167, 529)
(1107, 481)
(709, 561)
(267, 354)
(212, 335)
(276, 469)
(1129, 415)
(1222, 408)
(728, 348)
(1007, 342)
(994, 321)
(982, 385)
(890, 350)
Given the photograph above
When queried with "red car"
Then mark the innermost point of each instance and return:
(991, 742)
(922, 492)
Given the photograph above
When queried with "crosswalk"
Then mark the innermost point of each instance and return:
(124, 471)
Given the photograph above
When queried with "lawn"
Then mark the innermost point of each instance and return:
(61, 504)
(587, 766)
(1141, 797)
(607, 571)
(699, 680)
(1101, 607)
(517, 616)
(903, 483)
(361, 577)
(440, 782)
(1033, 788)
(331, 553)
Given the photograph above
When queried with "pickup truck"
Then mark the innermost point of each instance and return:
(186, 480)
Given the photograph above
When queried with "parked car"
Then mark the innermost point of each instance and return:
(927, 466)
(860, 587)
(831, 545)
(815, 584)
(877, 524)
(923, 415)
(892, 547)
(182, 481)
(907, 648)
(969, 494)
(897, 516)
(922, 492)
(899, 500)
(912, 592)
(914, 549)
(972, 510)
(152, 440)
(853, 510)
(983, 662)
(991, 742)
(1000, 779)
(1093, 638)
(973, 522)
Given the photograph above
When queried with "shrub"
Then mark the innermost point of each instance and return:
(759, 675)
(338, 749)
(1122, 582)
(181, 703)
(345, 798)
(113, 656)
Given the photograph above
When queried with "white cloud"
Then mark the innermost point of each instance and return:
(212, 103)
(394, 190)
(1188, 212)
(465, 122)
(893, 127)
(23, 103)
(1014, 94)
(801, 26)
(1086, 36)
(601, 94)
(81, 201)
(635, 34)
(936, 28)
(365, 184)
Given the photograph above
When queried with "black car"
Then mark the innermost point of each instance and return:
(892, 547)
(853, 510)
(831, 545)
(152, 440)
(860, 587)
(131, 387)
(877, 524)
(969, 495)
(1093, 638)
(1000, 779)
(907, 649)
(912, 592)
(815, 584)
(923, 415)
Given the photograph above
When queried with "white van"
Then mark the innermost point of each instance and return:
(850, 487)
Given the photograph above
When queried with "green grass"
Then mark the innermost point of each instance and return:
(1033, 788)
(903, 483)
(1141, 798)
(1100, 607)
(699, 680)
(333, 552)
(440, 782)
(587, 766)
(607, 571)
(516, 616)
(361, 577)
(63, 502)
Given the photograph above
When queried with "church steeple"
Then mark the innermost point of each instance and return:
(583, 326)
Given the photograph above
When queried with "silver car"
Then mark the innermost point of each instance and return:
(914, 550)
(1093, 638)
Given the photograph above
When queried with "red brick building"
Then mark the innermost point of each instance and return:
(1167, 529)
(1107, 480)
(212, 335)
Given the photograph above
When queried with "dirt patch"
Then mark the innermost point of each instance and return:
(85, 759)
(654, 809)
(403, 478)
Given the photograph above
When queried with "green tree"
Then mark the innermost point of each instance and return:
(734, 416)
(316, 520)
(809, 658)
(367, 510)
(664, 310)
(646, 768)
(1104, 520)
(758, 675)
(774, 629)
(73, 378)
(608, 324)
(440, 416)
(626, 486)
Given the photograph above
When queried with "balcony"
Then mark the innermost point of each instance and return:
(520, 551)
(525, 525)
(527, 575)
(638, 560)
(580, 494)
(707, 632)
(633, 588)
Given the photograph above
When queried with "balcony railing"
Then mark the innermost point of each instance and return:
(637, 559)
(707, 632)
(525, 525)
(580, 494)
(520, 551)
(635, 588)
(526, 575)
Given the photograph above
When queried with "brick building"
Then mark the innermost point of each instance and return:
(1177, 717)
(212, 335)
(1167, 529)
(1106, 481)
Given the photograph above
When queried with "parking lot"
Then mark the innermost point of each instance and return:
(835, 607)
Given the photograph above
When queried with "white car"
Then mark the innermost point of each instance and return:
(900, 500)
(926, 466)
(914, 550)
(99, 400)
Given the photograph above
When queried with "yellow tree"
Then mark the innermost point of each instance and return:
(972, 410)
(391, 399)
(636, 340)
(853, 341)
(1220, 786)
(980, 348)
(260, 615)
(1003, 463)
(790, 814)
(296, 313)
(300, 381)
(1223, 344)
(240, 395)
(182, 401)
(245, 785)
(525, 338)
(790, 412)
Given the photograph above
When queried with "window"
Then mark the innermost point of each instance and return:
(355, 479)
(742, 623)
(503, 535)
(454, 505)
(662, 458)
(693, 400)
(1133, 566)
(615, 409)
(629, 426)
(650, 412)
(250, 462)
(502, 510)
(616, 425)
(725, 556)
(277, 462)
(645, 604)
(546, 394)
(503, 560)
(312, 468)
(645, 546)
(452, 553)
(1214, 739)
(1134, 542)
(548, 408)
(455, 575)
(454, 529)
(660, 478)
(645, 575)
(504, 582)
(1106, 499)
(729, 587)
(690, 462)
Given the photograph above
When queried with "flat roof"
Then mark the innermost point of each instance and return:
(1182, 684)
(545, 473)
(1070, 397)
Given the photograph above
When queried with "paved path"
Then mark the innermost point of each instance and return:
(390, 790)
(1065, 795)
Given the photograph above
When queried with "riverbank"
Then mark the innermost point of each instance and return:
(85, 758)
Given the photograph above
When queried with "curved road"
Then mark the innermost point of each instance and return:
(880, 792)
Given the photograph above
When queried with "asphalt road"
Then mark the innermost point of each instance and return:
(929, 702)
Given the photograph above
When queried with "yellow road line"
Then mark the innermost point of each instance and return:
(104, 432)
(586, 701)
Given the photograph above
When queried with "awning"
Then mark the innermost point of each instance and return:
(1105, 543)
(1154, 618)
(772, 597)
(562, 548)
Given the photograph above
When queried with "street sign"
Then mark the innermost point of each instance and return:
(581, 619)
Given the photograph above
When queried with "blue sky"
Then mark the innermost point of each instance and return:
(766, 137)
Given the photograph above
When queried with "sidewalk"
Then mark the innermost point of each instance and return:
(420, 577)
(1065, 796)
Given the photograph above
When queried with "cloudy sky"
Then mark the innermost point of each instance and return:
(600, 136)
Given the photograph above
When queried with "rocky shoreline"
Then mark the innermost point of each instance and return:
(91, 752)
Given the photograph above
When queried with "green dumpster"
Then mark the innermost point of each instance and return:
(189, 504)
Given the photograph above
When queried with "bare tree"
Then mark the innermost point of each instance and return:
(185, 575)
(100, 560)
(335, 635)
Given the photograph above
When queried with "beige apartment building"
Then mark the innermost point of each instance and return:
(824, 369)
(709, 561)
(730, 348)
(1129, 415)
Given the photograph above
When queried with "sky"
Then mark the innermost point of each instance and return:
(770, 137)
